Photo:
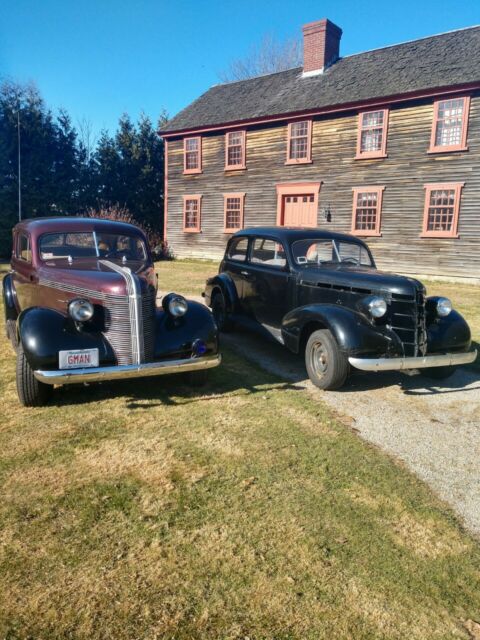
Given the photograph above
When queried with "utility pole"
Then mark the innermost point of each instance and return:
(19, 169)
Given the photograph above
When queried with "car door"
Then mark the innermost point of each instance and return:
(234, 265)
(268, 282)
(24, 277)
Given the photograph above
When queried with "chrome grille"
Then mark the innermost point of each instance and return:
(148, 314)
(407, 317)
(118, 329)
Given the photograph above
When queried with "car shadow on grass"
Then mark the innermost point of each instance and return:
(174, 390)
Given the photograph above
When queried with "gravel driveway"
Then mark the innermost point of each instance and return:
(432, 426)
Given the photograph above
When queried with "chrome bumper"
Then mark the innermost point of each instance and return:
(122, 372)
(397, 364)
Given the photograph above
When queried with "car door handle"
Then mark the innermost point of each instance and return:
(245, 273)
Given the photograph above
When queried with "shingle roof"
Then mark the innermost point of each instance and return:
(444, 60)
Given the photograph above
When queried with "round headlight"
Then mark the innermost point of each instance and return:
(80, 310)
(444, 306)
(177, 306)
(377, 307)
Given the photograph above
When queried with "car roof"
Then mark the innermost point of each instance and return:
(57, 224)
(290, 234)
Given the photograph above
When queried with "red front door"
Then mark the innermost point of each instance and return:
(299, 211)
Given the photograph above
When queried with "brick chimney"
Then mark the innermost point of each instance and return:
(321, 46)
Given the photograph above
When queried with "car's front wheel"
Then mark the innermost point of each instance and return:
(220, 313)
(31, 392)
(327, 366)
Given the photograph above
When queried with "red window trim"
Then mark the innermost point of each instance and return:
(198, 228)
(451, 147)
(378, 220)
(457, 186)
(242, 208)
(199, 168)
(243, 165)
(308, 159)
(381, 153)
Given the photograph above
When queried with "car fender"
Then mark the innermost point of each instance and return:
(44, 332)
(225, 284)
(449, 333)
(9, 298)
(354, 333)
(175, 337)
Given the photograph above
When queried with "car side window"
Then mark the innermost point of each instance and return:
(269, 253)
(24, 251)
(238, 250)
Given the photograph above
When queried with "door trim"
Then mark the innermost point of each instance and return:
(293, 189)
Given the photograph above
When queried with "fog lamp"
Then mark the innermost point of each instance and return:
(80, 310)
(377, 306)
(199, 348)
(444, 307)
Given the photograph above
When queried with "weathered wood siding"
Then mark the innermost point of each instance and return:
(403, 173)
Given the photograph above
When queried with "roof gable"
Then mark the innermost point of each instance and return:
(446, 60)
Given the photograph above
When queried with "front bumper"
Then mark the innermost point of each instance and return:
(398, 364)
(122, 372)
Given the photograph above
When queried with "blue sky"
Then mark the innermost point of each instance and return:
(100, 58)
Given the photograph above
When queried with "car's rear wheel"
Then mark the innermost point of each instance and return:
(12, 333)
(439, 373)
(327, 366)
(220, 313)
(31, 392)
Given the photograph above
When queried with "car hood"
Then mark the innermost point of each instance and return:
(93, 276)
(365, 279)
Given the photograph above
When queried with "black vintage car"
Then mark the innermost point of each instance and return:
(320, 293)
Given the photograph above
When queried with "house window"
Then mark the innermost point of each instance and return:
(235, 150)
(233, 212)
(442, 206)
(192, 209)
(372, 134)
(450, 123)
(192, 155)
(299, 143)
(367, 209)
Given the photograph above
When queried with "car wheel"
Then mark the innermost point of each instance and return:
(31, 392)
(12, 333)
(327, 366)
(439, 373)
(220, 313)
(197, 378)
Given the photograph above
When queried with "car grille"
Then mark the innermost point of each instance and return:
(118, 327)
(407, 317)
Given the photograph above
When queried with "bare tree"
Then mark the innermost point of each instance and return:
(269, 56)
(87, 137)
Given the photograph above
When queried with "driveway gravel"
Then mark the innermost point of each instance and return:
(432, 426)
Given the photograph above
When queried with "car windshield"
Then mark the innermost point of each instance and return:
(328, 251)
(91, 244)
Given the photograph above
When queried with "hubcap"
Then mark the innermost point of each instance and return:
(319, 359)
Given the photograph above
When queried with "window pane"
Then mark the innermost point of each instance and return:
(238, 250)
(299, 129)
(371, 136)
(192, 153)
(24, 248)
(233, 213)
(268, 252)
(191, 213)
(449, 123)
(441, 210)
(366, 211)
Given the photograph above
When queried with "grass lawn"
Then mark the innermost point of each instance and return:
(243, 510)
(189, 276)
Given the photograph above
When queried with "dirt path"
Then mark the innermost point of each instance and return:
(433, 427)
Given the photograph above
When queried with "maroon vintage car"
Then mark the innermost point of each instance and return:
(80, 306)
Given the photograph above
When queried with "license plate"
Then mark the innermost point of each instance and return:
(79, 359)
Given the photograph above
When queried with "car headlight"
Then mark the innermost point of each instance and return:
(175, 305)
(80, 310)
(377, 306)
(444, 307)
